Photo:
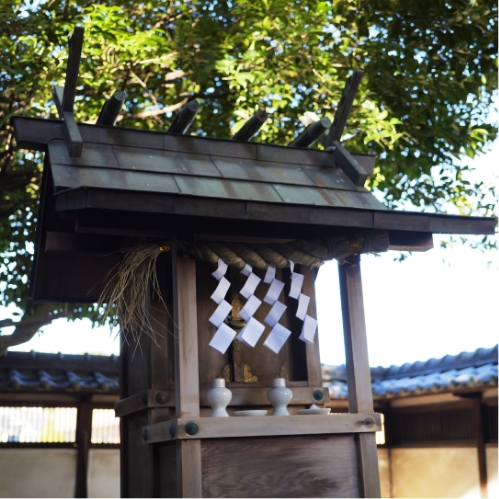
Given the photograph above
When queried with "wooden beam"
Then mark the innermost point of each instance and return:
(410, 241)
(186, 370)
(344, 107)
(360, 398)
(241, 396)
(264, 426)
(350, 166)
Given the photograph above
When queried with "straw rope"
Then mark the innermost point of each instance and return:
(125, 296)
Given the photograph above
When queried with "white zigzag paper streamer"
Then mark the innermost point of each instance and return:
(224, 335)
(250, 334)
(308, 330)
(309, 323)
(279, 334)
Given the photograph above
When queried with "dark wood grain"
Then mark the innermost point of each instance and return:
(311, 466)
(83, 436)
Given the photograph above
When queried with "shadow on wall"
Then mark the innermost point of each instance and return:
(52, 473)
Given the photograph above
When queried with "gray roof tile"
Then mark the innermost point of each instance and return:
(476, 369)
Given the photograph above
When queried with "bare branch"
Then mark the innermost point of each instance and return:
(27, 328)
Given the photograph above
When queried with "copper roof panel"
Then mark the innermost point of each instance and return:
(74, 177)
(352, 199)
(261, 172)
(227, 189)
(304, 195)
(92, 155)
(334, 178)
(135, 158)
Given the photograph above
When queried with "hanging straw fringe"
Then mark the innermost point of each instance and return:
(126, 293)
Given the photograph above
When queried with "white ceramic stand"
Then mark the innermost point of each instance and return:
(219, 398)
(279, 397)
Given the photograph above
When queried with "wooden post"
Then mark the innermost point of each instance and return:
(145, 367)
(476, 399)
(360, 399)
(83, 436)
(186, 371)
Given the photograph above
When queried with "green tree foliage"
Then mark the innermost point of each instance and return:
(430, 74)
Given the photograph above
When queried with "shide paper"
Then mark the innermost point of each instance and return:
(303, 302)
(250, 308)
(221, 270)
(222, 288)
(224, 335)
(269, 275)
(223, 338)
(275, 314)
(296, 285)
(309, 323)
(277, 337)
(222, 311)
(250, 334)
(308, 330)
(250, 285)
(274, 291)
(247, 270)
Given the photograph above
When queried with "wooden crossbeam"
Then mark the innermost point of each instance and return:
(64, 97)
(343, 111)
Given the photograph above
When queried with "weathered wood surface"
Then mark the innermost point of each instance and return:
(143, 372)
(189, 468)
(300, 466)
(241, 396)
(368, 218)
(353, 169)
(186, 370)
(185, 336)
(313, 357)
(360, 397)
(265, 426)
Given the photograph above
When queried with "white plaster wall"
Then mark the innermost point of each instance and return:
(492, 483)
(104, 473)
(435, 472)
(384, 472)
(37, 472)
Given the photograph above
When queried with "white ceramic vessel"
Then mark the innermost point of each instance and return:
(279, 397)
(250, 413)
(314, 411)
(219, 398)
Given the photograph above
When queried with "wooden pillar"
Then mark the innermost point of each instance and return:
(145, 371)
(186, 371)
(476, 399)
(360, 399)
(83, 437)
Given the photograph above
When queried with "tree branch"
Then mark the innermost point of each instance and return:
(27, 327)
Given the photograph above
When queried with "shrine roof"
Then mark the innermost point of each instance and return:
(467, 370)
(183, 175)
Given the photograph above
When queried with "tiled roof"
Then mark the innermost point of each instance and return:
(33, 371)
(476, 369)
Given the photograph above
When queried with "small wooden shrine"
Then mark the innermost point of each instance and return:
(198, 201)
